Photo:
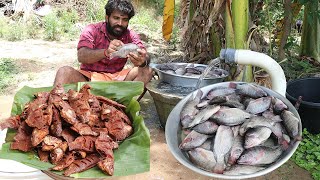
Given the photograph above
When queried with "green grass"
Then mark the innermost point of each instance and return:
(307, 155)
(8, 73)
(146, 19)
(295, 67)
(95, 10)
(60, 23)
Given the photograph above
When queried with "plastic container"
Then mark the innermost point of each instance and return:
(12, 170)
(309, 109)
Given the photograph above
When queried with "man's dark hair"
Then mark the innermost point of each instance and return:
(123, 6)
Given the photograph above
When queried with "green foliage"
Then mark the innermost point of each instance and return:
(15, 31)
(3, 27)
(8, 70)
(296, 67)
(307, 155)
(68, 20)
(95, 10)
(61, 23)
(145, 17)
(52, 26)
(33, 27)
(175, 39)
(151, 4)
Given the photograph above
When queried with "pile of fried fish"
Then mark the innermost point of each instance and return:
(73, 130)
(236, 129)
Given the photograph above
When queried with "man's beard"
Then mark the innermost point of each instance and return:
(112, 30)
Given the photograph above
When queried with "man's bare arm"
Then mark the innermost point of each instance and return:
(89, 56)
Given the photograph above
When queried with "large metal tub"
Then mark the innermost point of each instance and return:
(173, 137)
(186, 81)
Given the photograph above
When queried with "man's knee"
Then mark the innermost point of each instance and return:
(65, 70)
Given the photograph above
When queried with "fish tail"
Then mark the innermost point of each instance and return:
(298, 138)
(219, 168)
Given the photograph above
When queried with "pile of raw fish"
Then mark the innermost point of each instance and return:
(191, 70)
(75, 131)
(236, 130)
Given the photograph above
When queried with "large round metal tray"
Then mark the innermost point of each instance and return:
(186, 81)
(173, 136)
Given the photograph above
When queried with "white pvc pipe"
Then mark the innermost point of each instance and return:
(247, 57)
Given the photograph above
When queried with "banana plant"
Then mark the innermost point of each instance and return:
(310, 40)
(237, 18)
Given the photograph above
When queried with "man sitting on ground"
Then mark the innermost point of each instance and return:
(98, 41)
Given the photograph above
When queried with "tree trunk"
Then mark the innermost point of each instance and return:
(286, 29)
(310, 40)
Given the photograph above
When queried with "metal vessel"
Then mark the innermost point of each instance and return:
(245, 57)
(186, 81)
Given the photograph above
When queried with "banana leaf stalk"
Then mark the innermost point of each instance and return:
(236, 35)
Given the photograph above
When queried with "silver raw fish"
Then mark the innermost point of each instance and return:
(233, 104)
(237, 170)
(280, 132)
(208, 144)
(259, 105)
(203, 104)
(222, 144)
(220, 91)
(250, 90)
(202, 158)
(184, 133)
(231, 116)
(271, 143)
(217, 100)
(207, 127)
(169, 71)
(236, 149)
(291, 122)
(247, 100)
(124, 50)
(204, 115)
(259, 155)
(168, 66)
(231, 100)
(193, 140)
(189, 110)
(278, 105)
(256, 136)
(270, 115)
(194, 70)
(256, 121)
(180, 71)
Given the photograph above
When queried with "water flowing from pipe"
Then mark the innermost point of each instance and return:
(211, 64)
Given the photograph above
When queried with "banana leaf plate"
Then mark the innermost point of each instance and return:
(133, 154)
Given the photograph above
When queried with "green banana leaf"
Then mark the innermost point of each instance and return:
(133, 154)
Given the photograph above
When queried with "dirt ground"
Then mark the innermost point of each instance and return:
(40, 60)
